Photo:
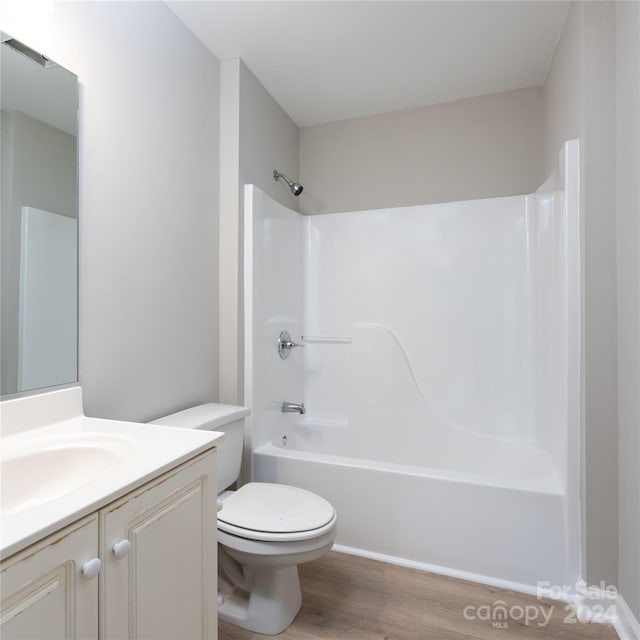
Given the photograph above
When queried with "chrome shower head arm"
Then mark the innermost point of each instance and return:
(277, 175)
(296, 189)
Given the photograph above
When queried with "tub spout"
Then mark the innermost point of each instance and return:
(292, 407)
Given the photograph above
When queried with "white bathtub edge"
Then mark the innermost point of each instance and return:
(270, 449)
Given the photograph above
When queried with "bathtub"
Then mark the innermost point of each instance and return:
(500, 521)
(440, 374)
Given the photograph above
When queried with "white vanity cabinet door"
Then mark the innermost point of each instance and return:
(44, 593)
(165, 585)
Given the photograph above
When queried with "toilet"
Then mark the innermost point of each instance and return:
(265, 530)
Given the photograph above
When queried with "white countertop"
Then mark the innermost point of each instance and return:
(141, 453)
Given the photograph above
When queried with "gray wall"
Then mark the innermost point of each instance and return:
(592, 93)
(580, 103)
(474, 148)
(268, 140)
(257, 137)
(628, 227)
(39, 170)
(148, 204)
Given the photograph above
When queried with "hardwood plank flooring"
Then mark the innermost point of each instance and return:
(351, 598)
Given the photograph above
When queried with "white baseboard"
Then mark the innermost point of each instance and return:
(609, 608)
(601, 608)
(626, 624)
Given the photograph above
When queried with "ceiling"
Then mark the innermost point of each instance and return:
(325, 61)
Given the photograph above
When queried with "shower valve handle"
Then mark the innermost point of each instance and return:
(285, 344)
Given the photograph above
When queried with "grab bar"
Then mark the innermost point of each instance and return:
(327, 339)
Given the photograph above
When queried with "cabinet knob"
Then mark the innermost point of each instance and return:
(121, 549)
(91, 568)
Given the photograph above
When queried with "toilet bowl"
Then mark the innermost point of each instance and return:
(265, 530)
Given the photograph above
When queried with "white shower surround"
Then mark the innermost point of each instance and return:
(440, 374)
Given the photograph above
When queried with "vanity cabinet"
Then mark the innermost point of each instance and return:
(44, 592)
(158, 568)
(164, 586)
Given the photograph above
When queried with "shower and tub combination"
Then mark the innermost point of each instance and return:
(436, 401)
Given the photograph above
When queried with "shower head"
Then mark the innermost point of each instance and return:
(296, 188)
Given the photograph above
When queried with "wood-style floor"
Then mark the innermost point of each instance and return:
(351, 598)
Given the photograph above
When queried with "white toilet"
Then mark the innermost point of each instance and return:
(264, 530)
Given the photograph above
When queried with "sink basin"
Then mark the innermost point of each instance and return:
(38, 470)
(58, 466)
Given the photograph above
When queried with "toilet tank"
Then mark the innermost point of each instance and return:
(227, 418)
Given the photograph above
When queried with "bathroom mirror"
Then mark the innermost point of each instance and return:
(38, 218)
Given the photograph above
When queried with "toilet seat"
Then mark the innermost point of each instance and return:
(275, 512)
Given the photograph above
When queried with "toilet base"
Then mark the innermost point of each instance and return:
(258, 579)
(270, 605)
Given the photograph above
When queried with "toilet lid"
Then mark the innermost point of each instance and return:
(275, 508)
